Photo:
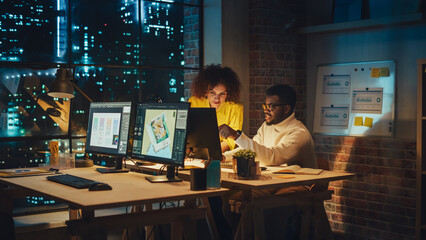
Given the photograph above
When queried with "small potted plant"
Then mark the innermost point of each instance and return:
(244, 161)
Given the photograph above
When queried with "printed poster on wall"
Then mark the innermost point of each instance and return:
(355, 99)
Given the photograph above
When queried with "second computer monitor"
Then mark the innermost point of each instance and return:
(160, 133)
(108, 128)
(203, 134)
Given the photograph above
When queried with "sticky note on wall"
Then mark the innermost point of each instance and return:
(384, 72)
(368, 122)
(375, 72)
(358, 121)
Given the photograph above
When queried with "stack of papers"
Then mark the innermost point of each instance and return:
(296, 169)
(23, 172)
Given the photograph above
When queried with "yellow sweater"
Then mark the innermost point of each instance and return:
(228, 113)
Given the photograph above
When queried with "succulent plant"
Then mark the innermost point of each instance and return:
(245, 153)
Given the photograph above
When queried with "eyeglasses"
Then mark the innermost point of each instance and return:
(220, 95)
(271, 106)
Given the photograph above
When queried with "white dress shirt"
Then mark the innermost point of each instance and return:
(286, 142)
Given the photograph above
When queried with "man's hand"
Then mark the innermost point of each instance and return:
(227, 132)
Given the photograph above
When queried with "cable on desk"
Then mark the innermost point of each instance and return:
(135, 164)
(160, 171)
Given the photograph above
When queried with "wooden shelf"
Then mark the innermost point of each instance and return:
(423, 226)
(364, 24)
(424, 172)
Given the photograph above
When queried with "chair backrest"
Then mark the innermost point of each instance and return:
(322, 164)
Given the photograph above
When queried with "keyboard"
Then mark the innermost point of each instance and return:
(71, 180)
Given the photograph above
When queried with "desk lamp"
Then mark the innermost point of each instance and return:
(63, 87)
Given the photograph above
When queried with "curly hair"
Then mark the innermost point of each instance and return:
(212, 75)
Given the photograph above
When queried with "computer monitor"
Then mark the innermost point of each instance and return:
(108, 131)
(160, 136)
(203, 139)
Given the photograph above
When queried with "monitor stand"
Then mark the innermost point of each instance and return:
(117, 169)
(169, 177)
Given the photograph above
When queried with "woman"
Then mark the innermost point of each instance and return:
(219, 87)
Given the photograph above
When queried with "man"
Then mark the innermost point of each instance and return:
(281, 138)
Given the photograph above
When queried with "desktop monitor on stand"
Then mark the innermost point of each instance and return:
(203, 141)
(160, 136)
(108, 131)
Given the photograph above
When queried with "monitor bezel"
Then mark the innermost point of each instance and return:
(159, 160)
(95, 151)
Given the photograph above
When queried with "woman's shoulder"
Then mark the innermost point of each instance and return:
(198, 102)
(234, 105)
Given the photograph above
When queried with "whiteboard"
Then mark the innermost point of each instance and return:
(355, 99)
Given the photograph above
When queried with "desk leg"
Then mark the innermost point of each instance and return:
(210, 220)
(305, 221)
(149, 229)
(99, 233)
(176, 230)
(321, 223)
(259, 223)
(245, 226)
(131, 233)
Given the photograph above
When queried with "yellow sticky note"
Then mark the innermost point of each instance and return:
(358, 121)
(368, 122)
(375, 72)
(384, 72)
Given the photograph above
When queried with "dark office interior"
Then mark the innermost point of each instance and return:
(142, 51)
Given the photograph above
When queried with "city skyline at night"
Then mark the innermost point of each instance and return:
(125, 50)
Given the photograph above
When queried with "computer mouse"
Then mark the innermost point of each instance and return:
(98, 186)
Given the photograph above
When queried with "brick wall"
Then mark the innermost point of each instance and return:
(277, 53)
(191, 42)
(379, 203)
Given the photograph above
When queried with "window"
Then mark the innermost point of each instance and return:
(119, 50)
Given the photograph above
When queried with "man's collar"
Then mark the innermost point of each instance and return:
(283, 124)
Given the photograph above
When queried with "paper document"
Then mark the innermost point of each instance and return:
(296, 169)
(23, 172)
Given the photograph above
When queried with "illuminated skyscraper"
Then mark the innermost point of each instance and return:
(32, 31)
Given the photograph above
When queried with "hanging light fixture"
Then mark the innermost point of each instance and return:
(62, 86)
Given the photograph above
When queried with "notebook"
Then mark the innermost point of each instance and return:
(296, 169)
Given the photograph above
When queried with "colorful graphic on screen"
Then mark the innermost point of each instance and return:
(159, 133)
(105, 130)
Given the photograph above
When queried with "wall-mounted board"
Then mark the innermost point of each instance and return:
(355, 99)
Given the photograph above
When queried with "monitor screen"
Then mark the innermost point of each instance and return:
(160, 133)
(108, 128)
(203, 134)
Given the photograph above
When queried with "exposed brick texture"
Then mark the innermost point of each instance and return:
(379, 203)
(277, 53)
(191, 43)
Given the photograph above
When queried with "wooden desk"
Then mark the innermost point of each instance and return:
(252, 207)
(276, 182)
(252, 211)
(128, 189)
